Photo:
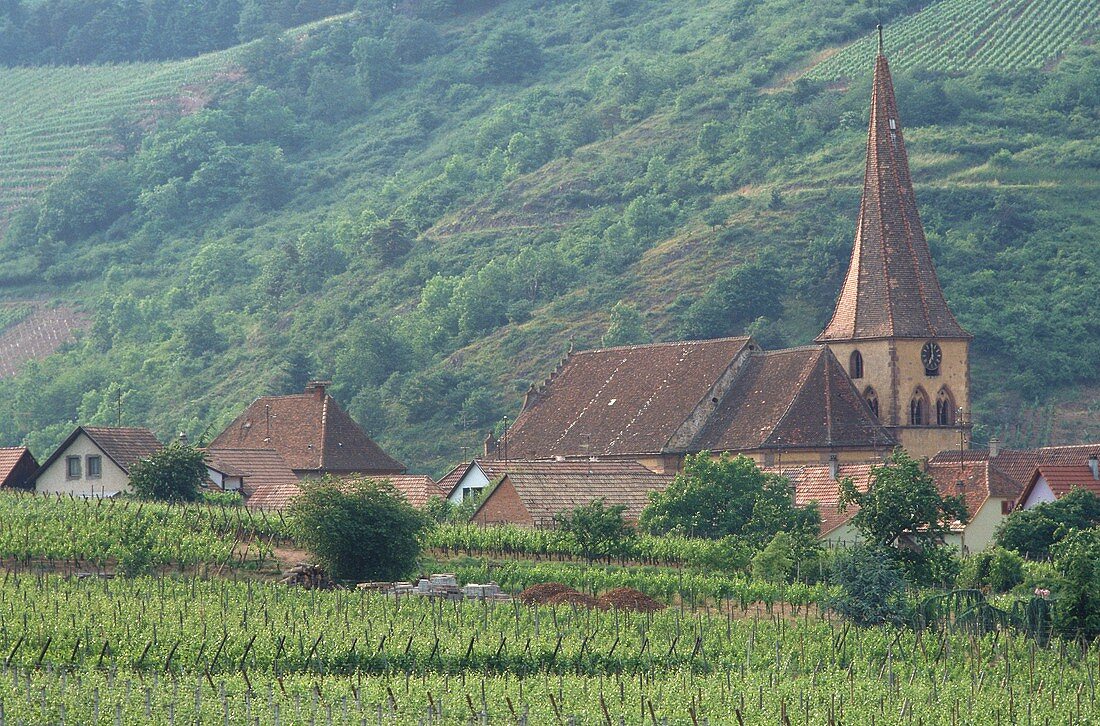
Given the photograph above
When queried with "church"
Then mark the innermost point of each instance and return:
(890, 368)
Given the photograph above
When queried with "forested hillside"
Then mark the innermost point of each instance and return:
(427, 202)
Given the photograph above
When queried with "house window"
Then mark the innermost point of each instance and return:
(945, 408)
(1006, 506)
(872, 400)
(855, 365)
(918, 409)
(72, 467)
(468, 492)
(95, 467)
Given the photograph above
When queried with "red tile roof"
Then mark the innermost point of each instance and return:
(980, 481)
(268, 481)
(625, 400)
(1062, 480)
(547, 488)
(1019, 464)
(891, 288)
(815, 483)
(17, 466)
(796, 398)
(417, 488)
(311, 432)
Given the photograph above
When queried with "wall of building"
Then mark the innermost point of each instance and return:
(54, 480)
(474, 479)
(503, 505)
(1039, 494)
(980, 531)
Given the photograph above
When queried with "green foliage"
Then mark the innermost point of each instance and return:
(716, 497)
(335, 519)
(599, 530)
(173, 474)
(1033, 532)
(775, 562)
(626, 327)
(994, 568)
(872, 588)
(135, 546)
(1077, 601)
(509, 55)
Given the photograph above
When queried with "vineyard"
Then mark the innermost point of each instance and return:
(964, 35)
(32, 332)
(167, 650)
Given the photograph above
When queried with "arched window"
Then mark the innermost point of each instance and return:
(855, 365)
(918, 408)
(871, 398)
(945, 408)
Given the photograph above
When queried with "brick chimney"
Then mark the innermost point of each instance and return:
(834, 466)
(994, 447)
(490, 446)
(317, 389)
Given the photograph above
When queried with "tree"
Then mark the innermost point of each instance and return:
(358, 530)
(775, 562)
(1032, 532)
(1077, 605)
(996, 568)
(626, 327)
(599, 530)
(716, 497)
(509, 55)
(871, 586)
(902, 501)
(173, 474)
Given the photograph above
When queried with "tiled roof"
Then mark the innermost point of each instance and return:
(417, 488)
(10, 458)
(549, 487)
(1019, 464)
(311, 432)
(797, 398)
(891, 288)
(980, 481)
(268, 481)
(815, 483)
(124, 446)
(1062, 480)
(624, 400)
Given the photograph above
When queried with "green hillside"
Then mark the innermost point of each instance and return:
(427, 203)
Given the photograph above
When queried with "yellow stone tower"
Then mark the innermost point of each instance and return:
(892, 326)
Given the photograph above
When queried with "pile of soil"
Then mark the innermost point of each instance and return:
(539, 594)
(572, 597)
(626, 598)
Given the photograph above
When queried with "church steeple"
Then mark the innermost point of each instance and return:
(891, 289)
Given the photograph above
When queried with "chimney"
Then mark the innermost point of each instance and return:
(994, 447)
(490, 446)
(182, 438)
(317, 389)
(834, 467)
(1094, 465)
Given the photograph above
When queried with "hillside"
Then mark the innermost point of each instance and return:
(428, 204)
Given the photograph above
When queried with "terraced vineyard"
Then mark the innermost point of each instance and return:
(48, 115)
(962, 35)
(34, 334)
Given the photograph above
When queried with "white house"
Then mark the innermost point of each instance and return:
(1051, 483)
(95, 461)
(468, 480)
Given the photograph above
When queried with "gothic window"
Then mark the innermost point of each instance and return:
(855, 365)
(918, 409)
(945, 408)
(871, 398)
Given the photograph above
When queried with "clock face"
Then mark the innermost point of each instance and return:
(931, 355)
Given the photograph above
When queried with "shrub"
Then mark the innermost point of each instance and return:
(871, 586)
(1032, 532)
(994, 568)
(361, 530)
(1077, 602)
(173, 474)
(775, 562)
(599, 530)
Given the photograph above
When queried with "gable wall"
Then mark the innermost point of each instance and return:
(504, 506)
(54, 481)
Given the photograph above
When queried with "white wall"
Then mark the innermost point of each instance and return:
(1040, 494)
(54, 480)
(473, 479)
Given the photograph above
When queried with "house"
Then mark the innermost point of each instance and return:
(263, 478)
(891, 366)
(989, 495)
(531, 493)
(416, 488)
(311, 432)
(17, 468)
(95, 461)
(1050, 483)
(1019, 465)
(469, 479)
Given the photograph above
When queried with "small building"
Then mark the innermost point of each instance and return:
(469, 479)
(17, 468)
(311, 432)
(1019, 464)
(416, 488)
(264, 480)
(531, 493)
(1049, 483)
(95, 461)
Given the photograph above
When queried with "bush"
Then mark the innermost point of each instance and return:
(775, 562)
(995, 569)
(599, 530)
(173, 474)
(1077, 601)
(1032, 532)
(871, 586)
(358, 530)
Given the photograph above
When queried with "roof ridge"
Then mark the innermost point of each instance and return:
(663, 344)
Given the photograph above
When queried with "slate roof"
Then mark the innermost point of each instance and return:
(1019, 464)
(625, 400)
(1062, 480)
(891, 289)
(268, 481)
(11, 458)
(549, 487)
(311, 432)
(796, 398)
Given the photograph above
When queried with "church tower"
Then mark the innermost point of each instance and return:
(892, 327)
